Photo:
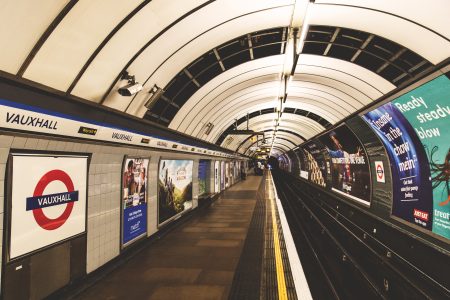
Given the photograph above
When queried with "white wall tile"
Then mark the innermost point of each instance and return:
(18, 142)
(6, 140)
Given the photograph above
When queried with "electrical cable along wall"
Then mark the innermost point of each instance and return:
(381, 195)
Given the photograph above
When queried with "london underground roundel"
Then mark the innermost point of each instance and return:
(48, 200)
(379, 169)
(40, 199)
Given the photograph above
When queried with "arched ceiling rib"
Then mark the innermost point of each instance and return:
(305, 126)
(65, 49)
(295, 128)
(407, 16)
(226, 24)
(290, 135)
(242, 122)
(281, 142)
(226, 89)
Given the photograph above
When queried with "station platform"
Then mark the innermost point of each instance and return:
(233, 249)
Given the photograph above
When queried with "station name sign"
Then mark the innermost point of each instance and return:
(32, 119)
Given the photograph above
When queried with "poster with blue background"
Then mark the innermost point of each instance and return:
(134, 199)
(350, 175)
(414, 130)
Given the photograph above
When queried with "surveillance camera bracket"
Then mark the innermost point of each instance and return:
(126, 76)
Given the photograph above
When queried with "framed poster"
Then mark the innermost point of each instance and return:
(414, 130)
(47, 202)
(216, 177)
(316, 162)
(227, 175)
(134, 199)
(203, 171)
(350, 171)
(174, 188)
(222, 175)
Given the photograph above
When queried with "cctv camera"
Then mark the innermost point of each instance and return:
(130, 89)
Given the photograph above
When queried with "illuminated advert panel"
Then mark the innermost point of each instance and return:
(350, 172)
(415, 130)
(134, 199)
(174, 188)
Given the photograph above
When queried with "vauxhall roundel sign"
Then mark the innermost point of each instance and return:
(380, 172)
(39, 201)
(379, 169)
(47, 200)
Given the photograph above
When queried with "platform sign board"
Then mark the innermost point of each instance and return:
(134, 199)
(350, 172)
(174, 188)
(415, 131)
(216, 176)
(48, 200)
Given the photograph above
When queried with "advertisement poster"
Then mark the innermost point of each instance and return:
(427, 109)
(222, 175)
(174, 188)
(227, 174)
(302, 163)
(350, 172)
(295, 162)
(285, 162)
(317, 167)
(216, 177)
(203, 167)
(48, 200)
(134, 199)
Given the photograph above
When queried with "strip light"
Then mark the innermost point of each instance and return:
(294, 47)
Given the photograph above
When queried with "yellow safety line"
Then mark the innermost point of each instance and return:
(282, 294)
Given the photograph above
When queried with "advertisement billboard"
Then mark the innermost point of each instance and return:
(222, 175)
(174, 188)
(350, 172)
(227, 174)
(48, 200)
(134, 199)
(294, 160)
(302, 162)
(216, 176)
(414, 130)
(203, 167)
(314, 153)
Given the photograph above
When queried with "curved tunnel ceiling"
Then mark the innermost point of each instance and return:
(221, 60)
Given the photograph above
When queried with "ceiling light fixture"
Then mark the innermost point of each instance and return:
(296, 39)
